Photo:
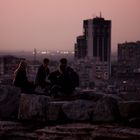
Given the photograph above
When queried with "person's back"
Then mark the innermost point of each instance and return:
(73, 77)
(61, 79)
(54, 77)
(20, 79)
(42, 73)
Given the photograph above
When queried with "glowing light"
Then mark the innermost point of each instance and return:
(43, 52)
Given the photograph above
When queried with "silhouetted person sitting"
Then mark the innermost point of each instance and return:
(64, 80)
(20, 78)
(43, 72)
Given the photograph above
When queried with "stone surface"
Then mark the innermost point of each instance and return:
(87, 131)
(129, 109)
(134, 122)
(33, 107)
(78, 110)
(40, 107)
(54, 109)
(9, 101)
(130, 96)
(106, 110)
(73, 131)
(15, 131)
(89, 95)
(81, 107)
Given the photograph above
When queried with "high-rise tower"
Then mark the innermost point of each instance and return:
(97, 35)
(97, 32)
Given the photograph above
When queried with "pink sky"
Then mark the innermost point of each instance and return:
(54, 24)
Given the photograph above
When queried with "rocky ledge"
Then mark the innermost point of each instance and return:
(85, 115)
(73, 131)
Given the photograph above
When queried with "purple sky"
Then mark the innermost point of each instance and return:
(54, 24)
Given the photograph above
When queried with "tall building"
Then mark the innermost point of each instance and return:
(128, 71)
(97, 32)
(129, 54)
(80, 47)
(96, 40)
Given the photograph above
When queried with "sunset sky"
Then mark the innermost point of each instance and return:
(54, 24)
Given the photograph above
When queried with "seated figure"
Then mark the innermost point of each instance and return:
(20, 78)
(64, 80)
(42, 74)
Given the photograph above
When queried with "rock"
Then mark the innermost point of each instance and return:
(78, 110)
(9, 101)
(15, 131)
(77, 131)
(135, 122)
(114, 96)
(106, 110)
(88, 95)
(54, 110)
(33, 107)
(129, 109)
(130, 96)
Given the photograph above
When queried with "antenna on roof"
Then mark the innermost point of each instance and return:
(100, 14)
(35, 53)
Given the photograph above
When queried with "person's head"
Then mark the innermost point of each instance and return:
(63, 64)
(63, 61)
(46, 62)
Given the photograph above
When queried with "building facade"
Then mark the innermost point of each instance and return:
(129, 54)
(128, 70)
(97, 46)
(80, 48)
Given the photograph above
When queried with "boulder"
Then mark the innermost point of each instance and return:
(106, 110)
(54, 110)
(130, 96)
(134, 122)
(86, 131)
(129, 109)
(88, 95)
(9, 101)
(33, 107)
(78, 110)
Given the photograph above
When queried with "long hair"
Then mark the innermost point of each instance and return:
(22, 66)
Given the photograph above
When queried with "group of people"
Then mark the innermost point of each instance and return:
(62, 81)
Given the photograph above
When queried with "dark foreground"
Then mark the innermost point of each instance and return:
(73, 131)
(85, 115)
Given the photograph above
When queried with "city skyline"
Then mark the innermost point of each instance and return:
(51, 25)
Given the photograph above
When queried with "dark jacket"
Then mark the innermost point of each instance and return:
(20, 79)
(22, 82)
(41, 76)
(65, 80)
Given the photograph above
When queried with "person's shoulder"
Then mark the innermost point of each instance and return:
(54, 72)
(69, 68)
(48, 69)
(40, 67)
(21, 70)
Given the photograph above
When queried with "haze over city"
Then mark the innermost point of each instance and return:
(54, 25)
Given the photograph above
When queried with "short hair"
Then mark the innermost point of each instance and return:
(46, 60)
(63, 61)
